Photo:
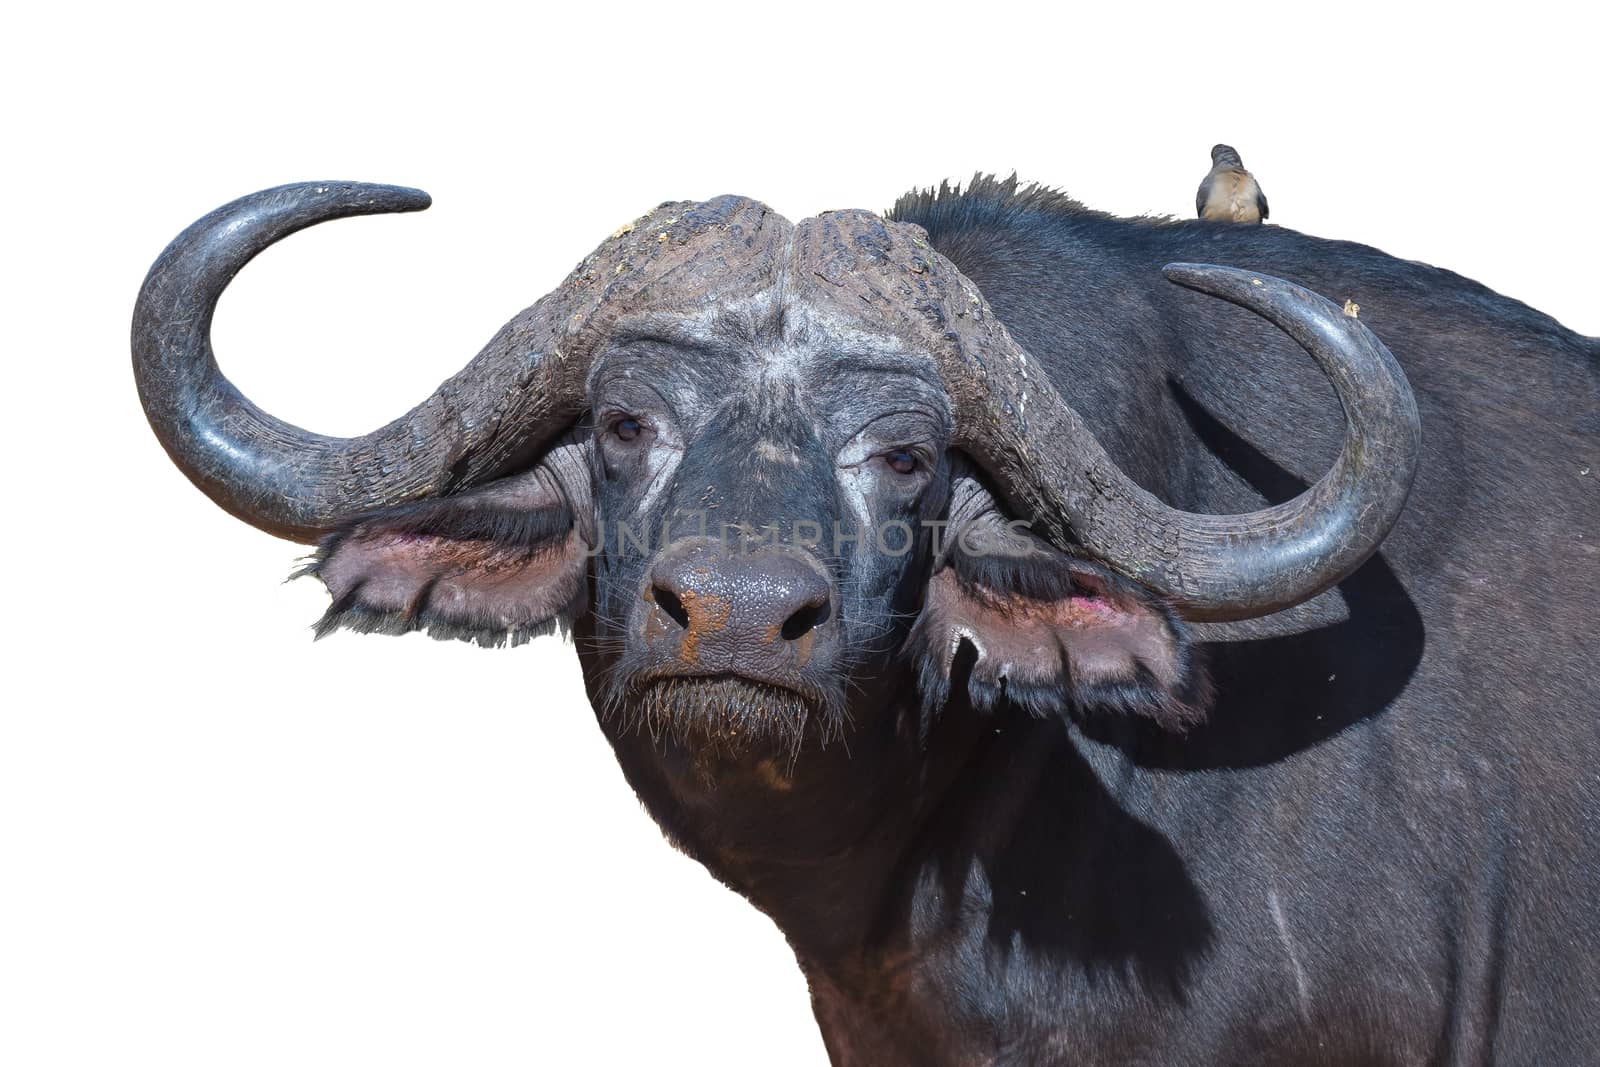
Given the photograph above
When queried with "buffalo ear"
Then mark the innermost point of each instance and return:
(1024, 623)
(502, 564)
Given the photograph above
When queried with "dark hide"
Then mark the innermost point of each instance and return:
(1384, 834)
(1033, 845)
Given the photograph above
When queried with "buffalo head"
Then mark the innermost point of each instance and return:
(756, 463)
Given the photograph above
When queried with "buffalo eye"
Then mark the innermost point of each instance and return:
(900, 461)
(626, 428)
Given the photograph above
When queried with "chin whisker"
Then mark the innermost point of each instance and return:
(726, 716)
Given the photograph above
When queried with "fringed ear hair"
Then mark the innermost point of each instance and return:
(503, 564)
(1045, 631)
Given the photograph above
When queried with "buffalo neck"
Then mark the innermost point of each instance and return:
(815, 838)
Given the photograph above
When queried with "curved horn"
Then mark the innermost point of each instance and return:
(521, 392)
(1010, 418)
(279, 477)
(1221, 567)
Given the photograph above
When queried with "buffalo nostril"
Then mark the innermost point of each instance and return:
(804, 621)
(669, 602)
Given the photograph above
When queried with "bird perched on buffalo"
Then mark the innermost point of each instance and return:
(1229, 192)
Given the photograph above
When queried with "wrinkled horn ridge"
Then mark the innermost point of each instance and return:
(276, 476)
(1222, 567)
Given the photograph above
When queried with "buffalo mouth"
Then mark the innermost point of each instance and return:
(728, 715)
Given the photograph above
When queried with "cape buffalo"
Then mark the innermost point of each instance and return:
(1003, 620)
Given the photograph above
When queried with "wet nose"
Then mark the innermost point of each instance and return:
(730, 601)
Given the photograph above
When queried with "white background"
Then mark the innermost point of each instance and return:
(221, 843)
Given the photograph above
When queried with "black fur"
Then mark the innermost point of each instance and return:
(1378, 847)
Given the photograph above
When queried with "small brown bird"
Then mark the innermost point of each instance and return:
(1229, 192)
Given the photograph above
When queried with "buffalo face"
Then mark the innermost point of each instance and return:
(761, 502)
